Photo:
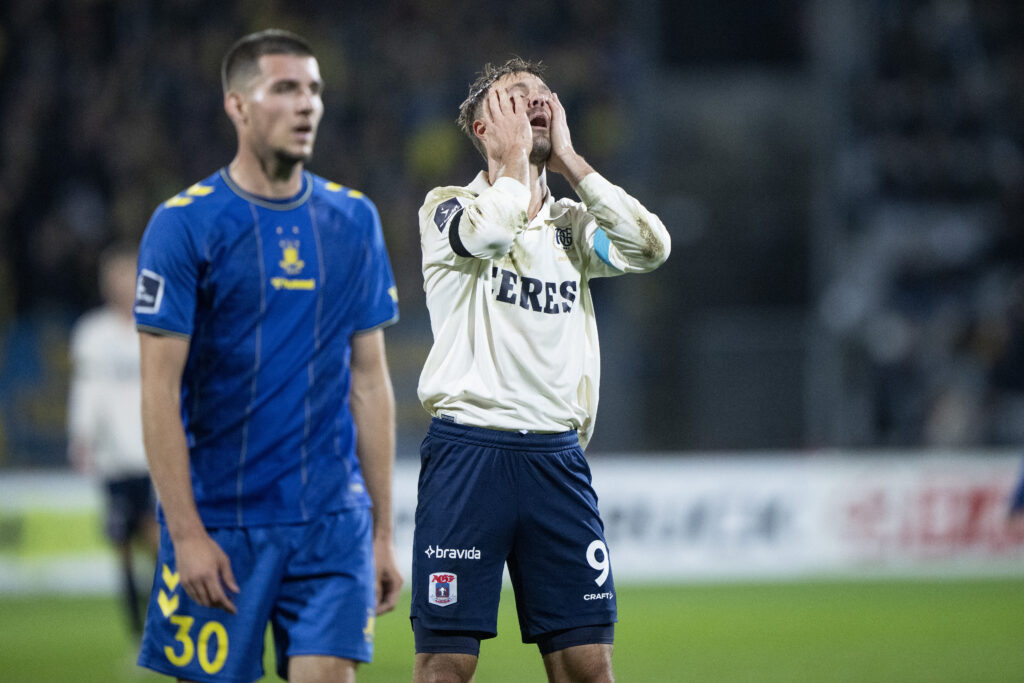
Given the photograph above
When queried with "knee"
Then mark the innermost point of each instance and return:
(437, 667)
(580, 664)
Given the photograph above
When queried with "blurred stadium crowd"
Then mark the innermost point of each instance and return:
(108, 107)
(112, 106)
(929, 294)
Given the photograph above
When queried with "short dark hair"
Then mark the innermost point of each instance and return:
(242, 60)
(469, 110)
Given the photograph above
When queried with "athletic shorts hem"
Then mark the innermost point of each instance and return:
(578, 621)
(446, 650)
(576, 637)
(483, 631)
(176, 673)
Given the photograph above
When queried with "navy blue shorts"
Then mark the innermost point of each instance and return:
(314, 582)
(488, 497)
(130, 502)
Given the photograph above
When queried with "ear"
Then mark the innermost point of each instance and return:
(234, 105)
(479, 129)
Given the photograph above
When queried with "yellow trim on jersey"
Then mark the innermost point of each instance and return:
(184, 199)
(168, 605)
(198, 190)
(335, 187)
(177, 200)
(171, 579)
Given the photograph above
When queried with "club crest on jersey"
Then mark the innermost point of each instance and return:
(149, 292)
(443, 589)
(563, 238)
(444, 212)
(290, 261)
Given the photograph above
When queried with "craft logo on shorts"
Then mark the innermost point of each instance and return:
(443, 589)
(149, 292)
(563, 237)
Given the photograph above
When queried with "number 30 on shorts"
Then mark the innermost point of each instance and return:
(190, 649)
(602, 564)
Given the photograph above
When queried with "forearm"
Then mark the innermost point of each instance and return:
(168, 458)
(492, 221)
(83, 419)
(575, 168)
(373, 411)
(641, 242)
(515, 165)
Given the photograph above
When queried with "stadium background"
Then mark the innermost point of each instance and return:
(843, 181)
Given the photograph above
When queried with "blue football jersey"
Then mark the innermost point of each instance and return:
(269, 293)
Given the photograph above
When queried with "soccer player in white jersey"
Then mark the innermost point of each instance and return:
(512, 384)
(104, 427)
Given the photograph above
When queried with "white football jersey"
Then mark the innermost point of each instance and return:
(515, 338)
(104, 407)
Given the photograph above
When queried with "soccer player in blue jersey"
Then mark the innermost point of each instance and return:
(512, 385)
(267, 407)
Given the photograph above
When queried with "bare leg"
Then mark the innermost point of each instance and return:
(580, 664)
(320, 669)
(444, 667)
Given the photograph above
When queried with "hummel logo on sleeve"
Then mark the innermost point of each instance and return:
(444, 212)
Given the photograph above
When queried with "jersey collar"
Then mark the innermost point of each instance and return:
(286, 204)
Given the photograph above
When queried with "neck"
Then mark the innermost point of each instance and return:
(265, 176)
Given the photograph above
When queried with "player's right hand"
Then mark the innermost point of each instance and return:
(205, 572)
(508, 137)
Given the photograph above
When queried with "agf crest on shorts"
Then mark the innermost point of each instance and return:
(443, 589)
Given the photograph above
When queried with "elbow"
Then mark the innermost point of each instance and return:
(657, 245)
(661, 254)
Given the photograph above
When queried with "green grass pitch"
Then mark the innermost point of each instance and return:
(870, 630)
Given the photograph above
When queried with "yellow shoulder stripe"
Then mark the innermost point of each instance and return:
(336, 187)
(177, 200)
(185, 198)
(198, 190)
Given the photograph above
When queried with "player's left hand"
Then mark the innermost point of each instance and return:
(563, 160)
(389, 580)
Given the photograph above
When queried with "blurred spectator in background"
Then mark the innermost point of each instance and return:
(104, 423)
(1017, 508)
